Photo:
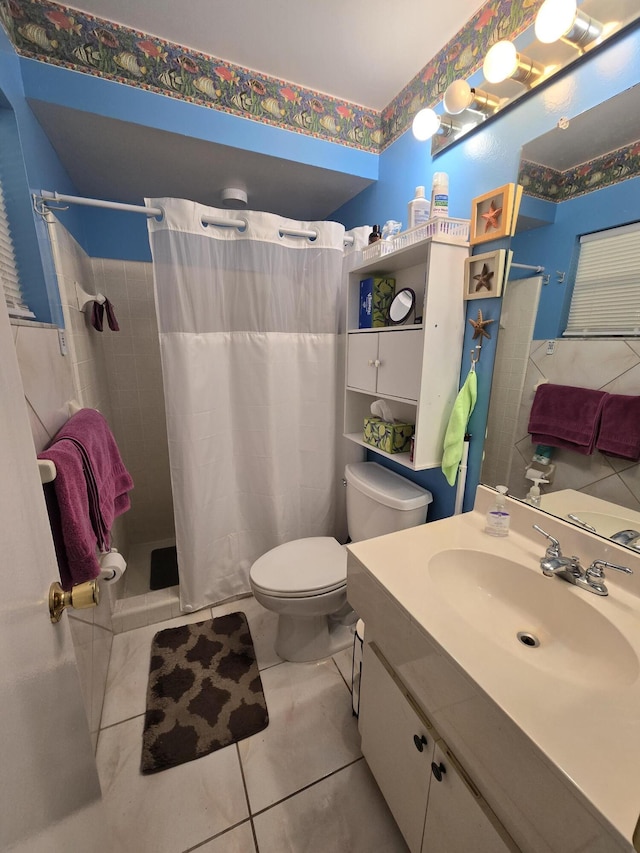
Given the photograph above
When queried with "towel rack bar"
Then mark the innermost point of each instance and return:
(47, 471)
(537, 269)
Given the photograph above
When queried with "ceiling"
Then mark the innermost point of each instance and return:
(364, 51)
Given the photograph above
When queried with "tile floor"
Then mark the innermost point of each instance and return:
(299, 786)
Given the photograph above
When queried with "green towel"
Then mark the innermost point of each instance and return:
(457, 427)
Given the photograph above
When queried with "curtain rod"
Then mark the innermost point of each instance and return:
(47, 196)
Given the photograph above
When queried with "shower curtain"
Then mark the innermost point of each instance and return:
(248, 325)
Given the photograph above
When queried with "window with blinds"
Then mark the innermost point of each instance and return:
(8, 268)
(606, 294)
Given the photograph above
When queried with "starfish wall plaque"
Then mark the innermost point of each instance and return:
(479, 330)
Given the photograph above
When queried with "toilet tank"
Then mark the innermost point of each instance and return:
(380, 501)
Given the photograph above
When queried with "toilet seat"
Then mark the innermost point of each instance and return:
(302, 568)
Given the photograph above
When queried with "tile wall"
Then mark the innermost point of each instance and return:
(610, 365)
(134, 375)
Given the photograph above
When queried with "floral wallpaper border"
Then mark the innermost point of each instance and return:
(60, 35)
(552, 185)
(461, 57)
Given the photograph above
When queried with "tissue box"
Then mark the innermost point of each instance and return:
(376, 295)
(390, 437)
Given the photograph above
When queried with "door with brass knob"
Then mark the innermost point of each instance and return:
(79, 597)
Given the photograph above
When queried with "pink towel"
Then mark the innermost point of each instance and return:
(91, 488)
(564, 416)
(620, 427)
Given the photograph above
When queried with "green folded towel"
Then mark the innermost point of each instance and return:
(457, 427)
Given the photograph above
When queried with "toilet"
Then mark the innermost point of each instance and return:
(305, 581)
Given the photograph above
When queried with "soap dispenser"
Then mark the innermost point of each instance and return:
(533, 496)
(498, 517)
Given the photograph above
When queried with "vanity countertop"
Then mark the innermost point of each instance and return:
(576, 696)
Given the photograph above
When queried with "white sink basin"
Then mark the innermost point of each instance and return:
(498, 598)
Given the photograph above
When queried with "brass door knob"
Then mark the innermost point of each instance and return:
(80, 597)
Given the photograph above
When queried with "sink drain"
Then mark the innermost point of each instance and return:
(528, 639)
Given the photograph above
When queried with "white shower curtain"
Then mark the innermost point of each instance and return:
(248, 334)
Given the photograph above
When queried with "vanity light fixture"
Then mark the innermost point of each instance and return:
(503, 61)
(428, 123)
(561, 19)
(425, 124)
(460, 96)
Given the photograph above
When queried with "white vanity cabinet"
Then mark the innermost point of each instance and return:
(416, 367)
(398, 744)
(458, 819)
(436, 806)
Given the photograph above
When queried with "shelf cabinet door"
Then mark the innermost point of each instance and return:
(458, 818)
(388, 725)
(362, 354)
(400, 357)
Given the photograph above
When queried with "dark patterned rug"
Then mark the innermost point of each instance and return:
(204, 692)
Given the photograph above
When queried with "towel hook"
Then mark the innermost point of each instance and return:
(475, 356)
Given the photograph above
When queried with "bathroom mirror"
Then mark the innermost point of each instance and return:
(401, 307)
(610, 17)
(579, 179)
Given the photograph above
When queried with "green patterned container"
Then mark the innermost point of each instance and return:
(390, 437)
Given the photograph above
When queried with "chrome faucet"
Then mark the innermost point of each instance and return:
(630, 538)
(554, 563)
(570, 570)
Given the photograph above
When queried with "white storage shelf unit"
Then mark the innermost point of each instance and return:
(415, 368)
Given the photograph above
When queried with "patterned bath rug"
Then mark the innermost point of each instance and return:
(204, 692)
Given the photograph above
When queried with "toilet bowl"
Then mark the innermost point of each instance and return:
(305, 581)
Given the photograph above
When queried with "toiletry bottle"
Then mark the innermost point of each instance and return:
(498, 516)
(440, 195)
(533, 496)
(419, 209)
(375, 234)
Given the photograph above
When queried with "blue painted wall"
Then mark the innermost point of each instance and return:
(556, 246)
(487, 159)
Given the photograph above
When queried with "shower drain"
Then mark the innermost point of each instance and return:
(528, 639)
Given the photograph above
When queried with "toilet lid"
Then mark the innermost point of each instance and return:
(304, 567)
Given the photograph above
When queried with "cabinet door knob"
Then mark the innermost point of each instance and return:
(420, 742)
(438, 770)
(370, 362)
(377, 362)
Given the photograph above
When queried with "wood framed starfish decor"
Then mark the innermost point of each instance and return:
(484, 274)
(492, 214)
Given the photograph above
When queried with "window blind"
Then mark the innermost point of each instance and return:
(9, 269)
(606, 294)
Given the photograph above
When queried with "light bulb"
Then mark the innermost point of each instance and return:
(500, 62)
(457, 97)
(554, 19)
(425, 124)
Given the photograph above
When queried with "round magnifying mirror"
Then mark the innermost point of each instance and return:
(401, 306)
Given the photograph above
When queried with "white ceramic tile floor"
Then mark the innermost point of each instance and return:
(299, 786)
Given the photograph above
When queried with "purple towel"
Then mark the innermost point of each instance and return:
(564, 416)
(91, 488)
(97, 316)
(74, 538)
(620, 427)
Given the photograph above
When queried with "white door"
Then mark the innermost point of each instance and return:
(49, 789)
